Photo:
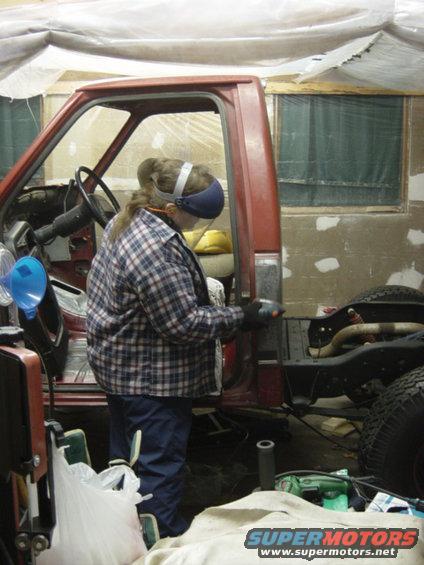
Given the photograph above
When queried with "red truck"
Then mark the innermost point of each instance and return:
(371, 350)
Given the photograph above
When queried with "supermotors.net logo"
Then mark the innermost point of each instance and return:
(305, 543)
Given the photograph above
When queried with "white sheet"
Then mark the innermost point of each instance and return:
(217, 535)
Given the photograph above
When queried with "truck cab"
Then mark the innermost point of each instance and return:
(104, 127)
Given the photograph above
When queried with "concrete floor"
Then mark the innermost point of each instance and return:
(222, 462)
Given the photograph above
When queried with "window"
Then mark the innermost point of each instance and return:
(84, 144)
(343, 150)
(19, 124)
(191, 136)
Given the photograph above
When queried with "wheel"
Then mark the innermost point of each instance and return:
(391, 446)
(96, 211)
(366, 394)
(390, 293)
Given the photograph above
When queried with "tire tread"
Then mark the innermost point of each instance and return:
(390, 293)
(386, 417)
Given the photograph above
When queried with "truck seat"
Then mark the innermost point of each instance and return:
(220, 267)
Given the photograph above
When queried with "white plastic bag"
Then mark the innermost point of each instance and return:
(217, 298)
(95, 524)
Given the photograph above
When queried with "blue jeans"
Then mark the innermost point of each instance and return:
(165, 423)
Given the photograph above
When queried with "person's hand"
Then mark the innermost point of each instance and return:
(251, 320)
(259, 314)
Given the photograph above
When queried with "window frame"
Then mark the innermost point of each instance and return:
(34, 117)
(324, 89)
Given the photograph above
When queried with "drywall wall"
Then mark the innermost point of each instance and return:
(331, 257)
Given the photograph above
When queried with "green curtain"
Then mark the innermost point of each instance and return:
(340, 150)
(19, 124)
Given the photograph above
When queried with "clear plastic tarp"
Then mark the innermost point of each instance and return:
(377, 43)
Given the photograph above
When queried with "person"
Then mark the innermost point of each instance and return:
(151, 330)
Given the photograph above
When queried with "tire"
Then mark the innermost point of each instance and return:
(390, 293)
(391, 446)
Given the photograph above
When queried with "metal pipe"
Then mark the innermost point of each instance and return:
(349, 332)
(266, 462)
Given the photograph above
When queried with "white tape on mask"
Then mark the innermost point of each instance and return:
(182, 179)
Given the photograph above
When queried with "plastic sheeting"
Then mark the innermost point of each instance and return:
(377, 43)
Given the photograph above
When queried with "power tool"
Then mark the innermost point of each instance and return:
(328, 492)
(270, 309)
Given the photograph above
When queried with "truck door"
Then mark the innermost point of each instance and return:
(111, 127)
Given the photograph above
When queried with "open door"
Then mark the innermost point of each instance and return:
(111, 128)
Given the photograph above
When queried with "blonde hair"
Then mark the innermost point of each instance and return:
(163, 172)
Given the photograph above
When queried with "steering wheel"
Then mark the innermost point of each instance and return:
(95, 209)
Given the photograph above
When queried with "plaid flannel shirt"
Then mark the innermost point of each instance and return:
(150, 327)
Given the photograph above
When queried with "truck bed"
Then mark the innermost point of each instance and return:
(295, 338)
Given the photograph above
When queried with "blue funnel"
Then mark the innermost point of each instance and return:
(26, 282)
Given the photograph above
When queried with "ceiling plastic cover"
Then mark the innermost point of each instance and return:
(362, 42)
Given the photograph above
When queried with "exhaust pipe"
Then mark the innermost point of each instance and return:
(395, 328)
